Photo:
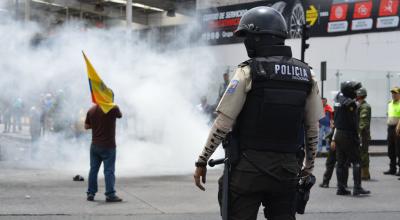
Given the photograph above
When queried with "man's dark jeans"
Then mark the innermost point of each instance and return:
(107, 156)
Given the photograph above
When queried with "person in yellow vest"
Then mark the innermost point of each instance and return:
(393, 131)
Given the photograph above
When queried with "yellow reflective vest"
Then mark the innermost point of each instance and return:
(394, 109)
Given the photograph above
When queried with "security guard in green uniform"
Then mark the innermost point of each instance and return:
(346, 139)
(364, 121)
(393, 138)
(271, 103)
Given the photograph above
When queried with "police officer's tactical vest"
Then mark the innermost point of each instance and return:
(345, 117)
(273, 114)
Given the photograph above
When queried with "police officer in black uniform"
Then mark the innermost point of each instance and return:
(346, 139)
(271, 104)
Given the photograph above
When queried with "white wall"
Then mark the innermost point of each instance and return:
(376, 51)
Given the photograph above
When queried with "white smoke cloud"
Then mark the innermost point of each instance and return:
(156, 89)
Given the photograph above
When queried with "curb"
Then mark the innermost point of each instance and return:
(372, 154)
(20, 139)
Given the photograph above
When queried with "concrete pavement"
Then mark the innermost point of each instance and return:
(51, 194)
(27, 193)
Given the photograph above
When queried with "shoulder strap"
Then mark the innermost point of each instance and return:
(245, 63)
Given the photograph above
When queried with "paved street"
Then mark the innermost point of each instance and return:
(27, 193)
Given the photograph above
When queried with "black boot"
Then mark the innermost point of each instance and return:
(346, 175)
(324, 184)
(341, 175)
(391, 171)
(343, 192)
(358, 190)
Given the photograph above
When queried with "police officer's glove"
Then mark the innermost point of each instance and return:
(200, 173)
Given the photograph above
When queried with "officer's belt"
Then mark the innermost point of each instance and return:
(265, 172)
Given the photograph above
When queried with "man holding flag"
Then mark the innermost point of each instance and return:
(101, 118)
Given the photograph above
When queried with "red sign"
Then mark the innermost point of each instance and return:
(388, 7)
(362, 10)
(224, 23)
(338, 12)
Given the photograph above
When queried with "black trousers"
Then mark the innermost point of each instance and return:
(347, 151)
(248, 190)
(330, 164)
(393, 147)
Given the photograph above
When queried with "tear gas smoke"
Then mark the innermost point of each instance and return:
(156, 89)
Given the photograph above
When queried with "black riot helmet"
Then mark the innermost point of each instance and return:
(261, 27)
(262, 20)
(349, 88)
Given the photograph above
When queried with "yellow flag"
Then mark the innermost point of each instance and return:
(101, 94)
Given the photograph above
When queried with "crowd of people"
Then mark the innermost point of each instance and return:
(51, 113)
(11, 115)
